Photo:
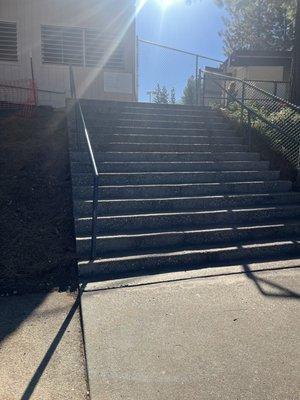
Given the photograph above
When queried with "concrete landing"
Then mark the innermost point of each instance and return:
(201, 335)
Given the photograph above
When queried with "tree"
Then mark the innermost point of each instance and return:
(258, 24)
(156, 94)
(189, 92)
(160, 95)
(164, 95)
(173, 96)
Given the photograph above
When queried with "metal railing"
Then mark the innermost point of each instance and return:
(81, 125)
(275, 118)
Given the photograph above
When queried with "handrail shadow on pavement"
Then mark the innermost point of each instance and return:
(43, 364)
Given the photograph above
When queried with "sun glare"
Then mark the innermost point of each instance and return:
(165, 3)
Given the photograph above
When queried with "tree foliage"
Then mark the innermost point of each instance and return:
(161, 95)
(190, 91)
(258, 24)
(173, 96)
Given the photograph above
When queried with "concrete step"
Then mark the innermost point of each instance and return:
(182, 220)
(138, 108)
(172, 117)
(84, 207)
(191, 189)
(177, 110)
(177, 239)
(152, 178)
(172, 166)
(195, 258)
(167, 139)
(154, 116)
(143, 123)
(119, 156)
(166, 147)
(170, 131)
(96, 132)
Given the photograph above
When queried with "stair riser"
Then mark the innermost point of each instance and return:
(173, 156)
(113, 106)
(175, 117)
(169, 178)
(169, 111)
(174, 241)
(148, 147)
(84, 208)
(141, 192)
(93, 123)
(148, 109)
(180, 166)
(124, 224)
(165, 139)
(158, 131)
(194, 260)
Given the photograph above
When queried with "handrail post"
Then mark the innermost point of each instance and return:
(298, 170)
(249, 127)
(275, 88)
(203, 88)
(243, 102)
(94, 218)
(197, 80)
(74, 96)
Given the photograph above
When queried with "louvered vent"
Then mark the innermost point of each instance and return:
(8, 41)
(61, 45)
(82, 47)
(103, 50)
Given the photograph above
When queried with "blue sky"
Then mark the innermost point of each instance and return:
(192, 28)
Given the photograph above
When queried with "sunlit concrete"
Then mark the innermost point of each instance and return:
(213, 334)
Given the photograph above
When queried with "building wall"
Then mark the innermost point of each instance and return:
(264, 73)
(114, 17)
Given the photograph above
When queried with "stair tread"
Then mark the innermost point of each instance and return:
(97, 154)
(216, 211)
(232, 206)
(277, 223)
(175, 173)
(197, 250)
(204, 184)
(229, 196)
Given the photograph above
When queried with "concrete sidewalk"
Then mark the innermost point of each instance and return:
(199, 335)
(41, 351)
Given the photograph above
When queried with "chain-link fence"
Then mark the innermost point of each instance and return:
(18, 96)
(169, 75)
(273, 116)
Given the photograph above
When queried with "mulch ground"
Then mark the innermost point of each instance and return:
(37, 243)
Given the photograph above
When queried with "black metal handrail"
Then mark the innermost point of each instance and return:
(291, 132)
(79, 115)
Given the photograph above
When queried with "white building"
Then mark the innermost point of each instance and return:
(96, 36)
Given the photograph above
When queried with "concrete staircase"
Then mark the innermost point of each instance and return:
(179, 189)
